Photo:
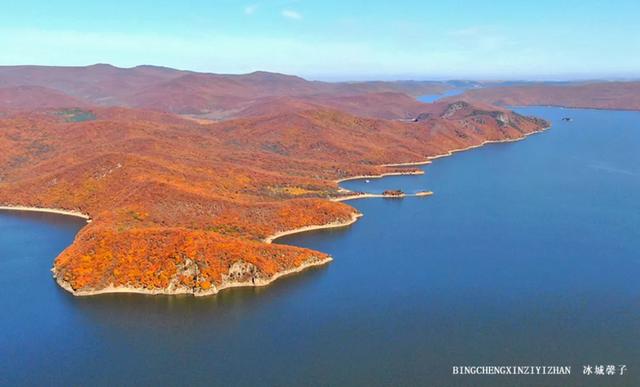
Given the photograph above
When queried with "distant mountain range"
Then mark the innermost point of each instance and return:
(219, 96)
(595, 95)
(212, 96)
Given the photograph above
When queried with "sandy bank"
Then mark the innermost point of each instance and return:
(48, 210)
(381, 175)
(409, 164)
(370, 195)
(354, 218)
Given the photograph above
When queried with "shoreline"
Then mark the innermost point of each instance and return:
(372, 195)
(380, 176)
(408, 164)
(486, 142)
(58, 211)
(511, 107)
(427, 161)
(430, 159)
(189, 292)
(338, 224)
(261, 281)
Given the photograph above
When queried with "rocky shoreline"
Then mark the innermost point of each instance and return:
(241, 274)
(184, 290)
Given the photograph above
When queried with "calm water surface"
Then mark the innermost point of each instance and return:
(434, 97)
(528, 253)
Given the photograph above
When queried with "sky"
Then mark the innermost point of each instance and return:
(334, 40)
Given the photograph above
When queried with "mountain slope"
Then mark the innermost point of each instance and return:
(183, 207)
(208, 96)
(598, 95)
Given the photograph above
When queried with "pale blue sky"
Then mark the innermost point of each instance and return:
(333, 39)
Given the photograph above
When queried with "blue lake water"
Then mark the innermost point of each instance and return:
(434, 97)
(527, 254)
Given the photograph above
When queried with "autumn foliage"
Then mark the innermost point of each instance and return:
(597, 95)
(183, 203)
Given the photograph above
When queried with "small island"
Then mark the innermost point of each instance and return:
(393, 193)
(396, 194)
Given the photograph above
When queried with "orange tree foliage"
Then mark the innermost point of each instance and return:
(173, 199)
(150, 258)
(598, 95)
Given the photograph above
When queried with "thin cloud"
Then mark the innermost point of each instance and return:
(468, 31)
(336, 57)
(250, 9)
(290, 14)
(484, 38)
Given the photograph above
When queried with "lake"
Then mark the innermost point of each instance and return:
(528, 253)
(434, 97)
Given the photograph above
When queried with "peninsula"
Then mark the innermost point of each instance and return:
(188, 177)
